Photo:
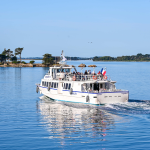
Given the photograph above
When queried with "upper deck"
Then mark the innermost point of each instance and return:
(64, 73)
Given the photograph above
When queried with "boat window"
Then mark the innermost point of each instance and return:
(82, 87)
(62, 70)
(53, 72)
(101, 86)
(52, 84)
(87, 86)
(58, 70)
(45, 84)
(96, 86)
(69, 86)
(91, 86)
(111, 86)
(49, 84)
(106, 85)
(42, 83)
(66, 85)
(67, 70)
(57, 85)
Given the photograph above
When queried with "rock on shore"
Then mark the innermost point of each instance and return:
(22, 65)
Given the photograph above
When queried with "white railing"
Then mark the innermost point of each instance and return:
(72, 77)
(103, 90)
(81, 77)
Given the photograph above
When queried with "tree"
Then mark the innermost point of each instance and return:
(18, 51)
(95, 58)
(4, 51)
(9, 54)
(32, 62)
(14, 58)
(139, 55)
(3, 56)
(47, 59)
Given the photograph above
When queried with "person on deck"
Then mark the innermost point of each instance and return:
(99, 72)
(85, 72)
(89, 71)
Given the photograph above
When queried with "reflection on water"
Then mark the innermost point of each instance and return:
(70, 122)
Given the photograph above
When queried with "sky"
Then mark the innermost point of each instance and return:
(84, 28)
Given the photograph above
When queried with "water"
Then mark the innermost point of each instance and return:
(36, 61)
(31, 121)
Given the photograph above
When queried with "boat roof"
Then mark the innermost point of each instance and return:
(62, 67)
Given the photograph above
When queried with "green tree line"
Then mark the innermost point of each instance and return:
(9, 56)
(138, 57)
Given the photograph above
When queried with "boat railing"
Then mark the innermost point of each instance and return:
(84, 77)
(103, 90)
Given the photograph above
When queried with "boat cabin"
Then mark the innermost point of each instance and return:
(58, 72)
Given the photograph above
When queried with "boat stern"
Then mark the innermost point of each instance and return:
(113, 97)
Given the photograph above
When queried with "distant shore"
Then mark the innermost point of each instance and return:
(10, 64)
(22, 65)
(119, 61)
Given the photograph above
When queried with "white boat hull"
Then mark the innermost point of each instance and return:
(113, 97)
(80, 97)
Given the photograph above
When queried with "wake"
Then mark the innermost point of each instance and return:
(131, 107)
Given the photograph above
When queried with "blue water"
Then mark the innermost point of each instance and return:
(31, 121)
(36, 61)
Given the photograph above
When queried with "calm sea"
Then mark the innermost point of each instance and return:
(31, 121)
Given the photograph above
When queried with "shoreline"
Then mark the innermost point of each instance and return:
(23, 65)
(118, 61)
(42, 65)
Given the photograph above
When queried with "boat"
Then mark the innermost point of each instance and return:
(61, 84)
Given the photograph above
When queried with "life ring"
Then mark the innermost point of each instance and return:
(74, 78)
(94, 77)
(105, 77)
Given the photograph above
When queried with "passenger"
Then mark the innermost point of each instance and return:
(93, 72)
(89, 71)
(73, 72)
(99, 72)
(85, 73)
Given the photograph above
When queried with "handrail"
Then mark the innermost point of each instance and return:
(82, 77)
(85, 77)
